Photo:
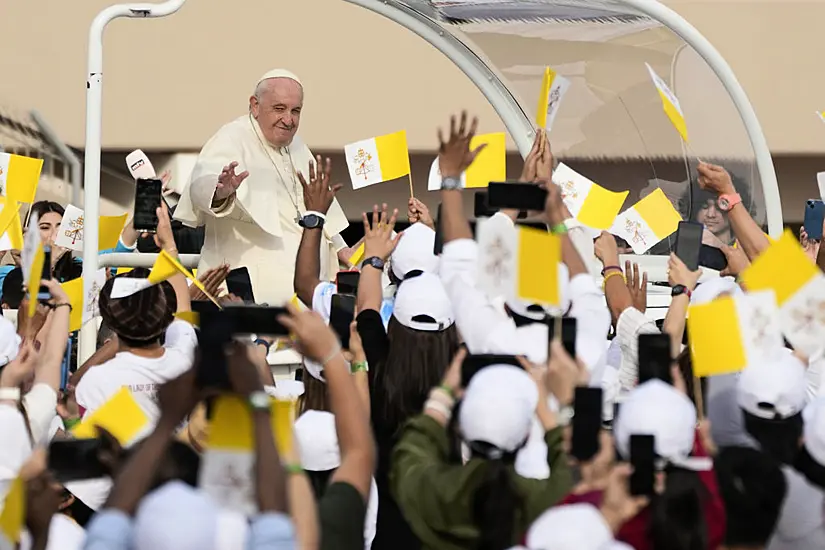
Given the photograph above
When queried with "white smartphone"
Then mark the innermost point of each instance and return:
(820, 180)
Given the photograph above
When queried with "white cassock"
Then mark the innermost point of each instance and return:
(256, 228)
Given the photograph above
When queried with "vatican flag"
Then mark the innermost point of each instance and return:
(670, 103)
(730, 333)
(648, 222)
(13, 515)
(799, 286)
(165, 267)
(11, 229)
(553, 88)
(378, 159)
(19, 176)
(588, 202)
(121, 416)
(518, 262)
(489, 165)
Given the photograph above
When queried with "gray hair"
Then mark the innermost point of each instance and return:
(265, 84)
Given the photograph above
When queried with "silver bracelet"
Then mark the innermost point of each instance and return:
(331, 355)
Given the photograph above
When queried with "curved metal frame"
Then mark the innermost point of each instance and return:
(495, 91)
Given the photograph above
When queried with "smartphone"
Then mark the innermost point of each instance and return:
(245, 319)
(568, 333)
(472, 364)
(341, 315)
(43, 293)
(643, 460)
(481, 208)
(346, 282)
(712, 257)
(516, 196)
(438, 245)
(820, 182)
(689, 243)
(239, 284)
(147, 202)
(73, 460)
(814, 217)
(587, 422)
(655, 358)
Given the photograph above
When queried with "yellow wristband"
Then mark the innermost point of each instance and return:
(612, 273)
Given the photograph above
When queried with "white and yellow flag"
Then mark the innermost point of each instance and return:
(730, 333)
(518, 262)
(799, 286)
(19, 177)
(670, 103)
(553, 88)
(489, 165)
(588, 202)
(647, 222)
(378, 159)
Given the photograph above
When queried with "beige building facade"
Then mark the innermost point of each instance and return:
(170, 83)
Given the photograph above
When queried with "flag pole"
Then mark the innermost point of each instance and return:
(409, 177)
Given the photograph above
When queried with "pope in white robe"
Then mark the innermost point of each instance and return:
(244, 189)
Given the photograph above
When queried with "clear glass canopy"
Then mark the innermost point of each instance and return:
(610, 125)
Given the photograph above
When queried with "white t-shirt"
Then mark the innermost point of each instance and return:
(801, 523)
(142, 375)
(64, 534)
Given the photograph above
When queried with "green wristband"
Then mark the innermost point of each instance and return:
(359, 366)
(559, 229)
(447, 389)
(293, 469)
(70, 423)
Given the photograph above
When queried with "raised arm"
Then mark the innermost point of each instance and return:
(318, 197)
(454, 157)
(165, 239)
(378, 246)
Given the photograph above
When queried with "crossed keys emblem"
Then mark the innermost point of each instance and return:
(808, 317)
(498, 265)
(635, 230)
(75, 231)
(363, 164)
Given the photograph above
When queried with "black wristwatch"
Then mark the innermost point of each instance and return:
(678, 290)
(373, 261)
(311, 221)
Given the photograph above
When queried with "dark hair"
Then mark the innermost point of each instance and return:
(319, 481)
(677, 519)
(777, 437)
(104, 333)
(808, 466)
(66, 267)
(753, 488)
(416, 362)
(685, 363)
(495, 505)
(314, 397)
(77, 510)
(13, 288)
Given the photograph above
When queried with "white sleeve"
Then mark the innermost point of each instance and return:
(476, 317)
(582, 238)
(181, 336)
(813, 376)
(592, 319)
(630, 325)
(322, 299)
(41, 408)
(338, 242)
(16, 446)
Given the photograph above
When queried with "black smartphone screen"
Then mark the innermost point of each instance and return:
(516, 196)
(712, 257)
(239, 284)
(147, 202)
(73, 460)
(481, 208)
(689, 243)
(438, 245)
(655, 358)
(472, 364)
(587, 422)
(246, 319)
(341, 315)
(643, 460)
(568, 333)
(346, 282)
(43, 293)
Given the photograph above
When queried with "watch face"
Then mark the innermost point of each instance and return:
(311, 221)
(724, 204)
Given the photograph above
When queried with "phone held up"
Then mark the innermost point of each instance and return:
(147, 201)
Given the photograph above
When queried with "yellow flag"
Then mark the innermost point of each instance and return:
(783, 267)
(122, 270)
(378, 159)
(539, 254)
(166, 266)
(109, 230)
(670, 104)
(74, 289)
(33, 284)
(231, 425)
(357, 256)
(14, 509)
(544, 96)
(21, 175)
(491, 162)
(191, 317)
(10, 224)
(121, 416)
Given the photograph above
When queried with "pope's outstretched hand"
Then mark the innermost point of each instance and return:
(228, 181)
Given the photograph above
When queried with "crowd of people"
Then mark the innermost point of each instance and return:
(396, 444)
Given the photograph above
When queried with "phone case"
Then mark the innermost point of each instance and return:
(814, 217)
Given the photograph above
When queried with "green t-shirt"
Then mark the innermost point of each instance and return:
(341, 513)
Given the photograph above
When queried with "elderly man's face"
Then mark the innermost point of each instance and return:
(278, 110)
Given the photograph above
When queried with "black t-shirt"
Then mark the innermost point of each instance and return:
(391, 530)
(341, 514)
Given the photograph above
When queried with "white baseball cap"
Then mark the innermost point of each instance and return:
(656, 408)
(175, 516)
(773, 389)
(570, 527)
(414, 252)
(317, 441)
(814, 430)
(713, 288)
(498, 407)
(9, 342)
(423, 295)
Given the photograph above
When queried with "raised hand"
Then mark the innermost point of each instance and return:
(378, 239)
(454, 154)
(212, 279)
(636, 285)
(228, 181)
(417, 211)
(318, 195)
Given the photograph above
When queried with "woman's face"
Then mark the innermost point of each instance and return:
(48, 225)
(711, 217)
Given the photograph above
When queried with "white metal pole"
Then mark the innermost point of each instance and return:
(94, 116)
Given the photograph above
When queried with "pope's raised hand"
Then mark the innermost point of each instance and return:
(229, 181)
(318, 194)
